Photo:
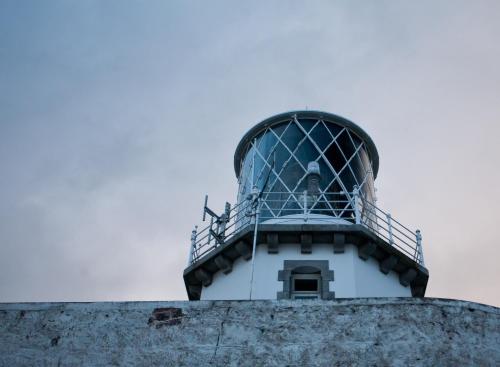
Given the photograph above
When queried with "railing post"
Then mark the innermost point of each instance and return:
(253, 198)
(256, 212)
(304, 204)
(420, 259)
(389, 225)
(193, 245)
(210, 230)
(224, 219)
(357, 213)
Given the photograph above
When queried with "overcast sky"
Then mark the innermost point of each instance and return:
(116, 117)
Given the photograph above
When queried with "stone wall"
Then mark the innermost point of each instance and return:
(370, 331)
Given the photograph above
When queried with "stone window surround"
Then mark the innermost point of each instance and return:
(285, 276)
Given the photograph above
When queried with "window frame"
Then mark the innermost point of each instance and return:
(318, 268)
(296, 294)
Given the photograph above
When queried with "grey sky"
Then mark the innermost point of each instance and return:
(117, 117)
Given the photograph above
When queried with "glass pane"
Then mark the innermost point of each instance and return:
(265, 178)
(319, 206)
(307, 124)
(321, 136)
(266, 144)
(258, 169)
(291, 206)
(345, 143)
(333, 128)
(275, 185)
(348, 179)
(300, 185)
(306, 152)
(335, 157)
(306, 285)
(338, 201)
(369, 190)
(292, 136)
(358, 169)
(279, 129)
(292, 173)
(276, 200)
(355, 140)
(365, 160)
(281, 154)
(326, 174)
(246, 162)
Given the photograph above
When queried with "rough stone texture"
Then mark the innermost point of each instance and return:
(355, 332)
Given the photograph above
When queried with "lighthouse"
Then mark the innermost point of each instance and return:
(305, 223)
(303, 232)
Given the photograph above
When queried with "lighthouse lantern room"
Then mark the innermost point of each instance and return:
(305, 224)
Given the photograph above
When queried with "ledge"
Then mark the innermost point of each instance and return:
(368, 244)
(362, 331)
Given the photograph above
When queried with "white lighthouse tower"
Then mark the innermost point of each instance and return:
(305, 224)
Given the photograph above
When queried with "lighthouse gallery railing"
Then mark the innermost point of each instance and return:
(351, 208)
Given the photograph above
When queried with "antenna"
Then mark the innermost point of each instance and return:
(205, 206)
(210, 212)
(220, 222)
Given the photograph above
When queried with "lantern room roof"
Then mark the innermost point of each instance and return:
(319, 115)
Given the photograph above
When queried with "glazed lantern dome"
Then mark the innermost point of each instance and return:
(274, 156)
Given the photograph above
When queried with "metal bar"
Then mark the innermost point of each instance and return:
(193, 245)
(210, 230)
(347, 164)
(202, 238)
(409, 230)
(256, 197)
(205, 206)
(401, 241)
(372, 217)
(404, 234)
(273, 149)
(253, 161)
(277, 175)
(203, 230)
(304, 199)
(337, 175)
(356, 153)
(419, 246)
(356, 205)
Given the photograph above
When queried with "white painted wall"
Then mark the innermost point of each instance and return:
(353, 276)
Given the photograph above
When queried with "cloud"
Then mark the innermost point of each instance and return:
(116, 120)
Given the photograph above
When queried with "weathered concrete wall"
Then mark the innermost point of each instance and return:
(373, 331)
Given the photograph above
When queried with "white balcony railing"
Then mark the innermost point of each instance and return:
(304, 207)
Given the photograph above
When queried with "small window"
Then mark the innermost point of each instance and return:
(305, 279)
(306, 286)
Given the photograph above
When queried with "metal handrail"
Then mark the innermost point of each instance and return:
(349, 206)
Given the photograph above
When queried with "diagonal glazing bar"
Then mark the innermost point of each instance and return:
(278, 177)
(273, 149)
(342, 169)
(321, 154)
(326, 160)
